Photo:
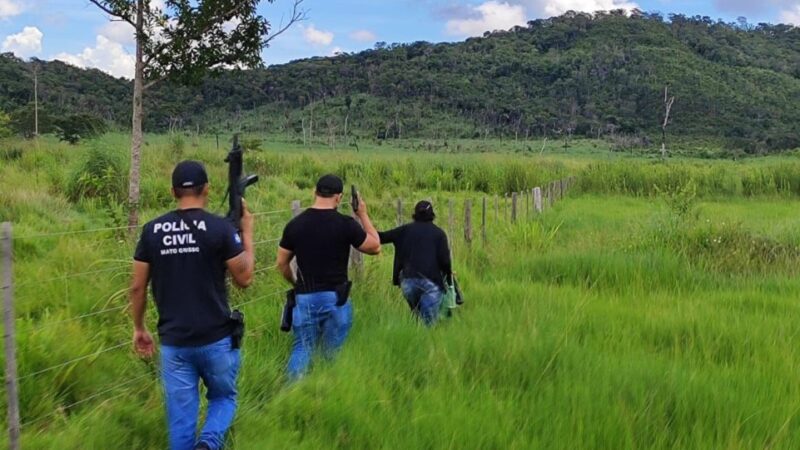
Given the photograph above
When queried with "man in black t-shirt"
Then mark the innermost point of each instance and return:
(185, 255)
(320, 238)
(422, 263)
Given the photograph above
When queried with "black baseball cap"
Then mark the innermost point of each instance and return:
(423, 212)
(188, 174)
(330, 185)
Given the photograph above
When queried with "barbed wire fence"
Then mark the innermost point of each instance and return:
(516, 207)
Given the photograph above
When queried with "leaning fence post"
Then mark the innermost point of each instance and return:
(399, 212)
(483, 222)
(513, 207)
(468, 221)
(12, 393)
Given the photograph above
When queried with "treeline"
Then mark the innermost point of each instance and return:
(595, 75)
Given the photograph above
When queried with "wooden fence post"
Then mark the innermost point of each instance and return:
(399, 212)
(514, 207)
(537, 199)
(527, 204)
(551, 194)
(296, 210)
(356, 258)
(9, 337)
(468, 221)
(483, 222)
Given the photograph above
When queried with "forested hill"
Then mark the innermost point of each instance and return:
(590, 75)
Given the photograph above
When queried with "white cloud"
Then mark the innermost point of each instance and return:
(791, 16)
(231, 25)
(317, 37)
(363, 36)
(336, 51)
(557, 7)
(24, 44)
(488, 16)
(120, 32)
(9, 8)
(106, 55)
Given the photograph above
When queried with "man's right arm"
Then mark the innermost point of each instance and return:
(372, 244)
(390, 237)
(284, 263)
(242, 266)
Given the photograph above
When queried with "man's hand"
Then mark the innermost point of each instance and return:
(143, 343)
(362, 207)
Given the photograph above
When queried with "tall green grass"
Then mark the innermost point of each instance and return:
(631, 315)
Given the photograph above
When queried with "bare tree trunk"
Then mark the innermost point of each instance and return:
(36, 100)
(136, 132)
(346, 137)
(303, 124)
(668, 101)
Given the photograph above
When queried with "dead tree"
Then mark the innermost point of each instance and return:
(668, 101)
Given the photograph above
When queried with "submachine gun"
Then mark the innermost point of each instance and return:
(237, 183)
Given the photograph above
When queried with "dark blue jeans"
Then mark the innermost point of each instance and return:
(424, 298)
(182, 368)
(317, 318)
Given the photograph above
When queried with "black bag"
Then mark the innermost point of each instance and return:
(288, 310)
(343, 293)
(237, 328)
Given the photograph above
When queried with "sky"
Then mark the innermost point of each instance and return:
(77, 32)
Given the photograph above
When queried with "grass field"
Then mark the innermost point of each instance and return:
(655, 307)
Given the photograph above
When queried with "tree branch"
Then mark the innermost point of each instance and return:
(151, 83)
(111, 13)
(298, 15)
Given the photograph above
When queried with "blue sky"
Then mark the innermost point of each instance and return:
(77, 32)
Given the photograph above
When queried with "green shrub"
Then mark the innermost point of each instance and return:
(74, 127)
(100, 175)
(11, 154)
(177, 144)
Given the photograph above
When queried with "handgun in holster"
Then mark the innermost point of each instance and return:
(237, 328)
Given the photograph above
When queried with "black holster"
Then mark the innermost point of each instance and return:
(343, 293)
(237, 328)
(288, 310)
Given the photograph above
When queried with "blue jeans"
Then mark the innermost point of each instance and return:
(217, 364)
(316, 316)
(424, 297)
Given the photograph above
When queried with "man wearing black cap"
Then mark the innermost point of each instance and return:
(185, 254)
(320, 238)
(422, 263)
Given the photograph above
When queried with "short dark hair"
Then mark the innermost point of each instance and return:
(326, 195)
(194, 191)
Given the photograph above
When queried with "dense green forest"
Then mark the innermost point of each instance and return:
(599, 75)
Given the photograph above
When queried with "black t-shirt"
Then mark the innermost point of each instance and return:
(421, 250)
(187, 274)
(320, 240)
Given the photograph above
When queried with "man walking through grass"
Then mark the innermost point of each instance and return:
(320, 238)
(422, 265)
(185, 254)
